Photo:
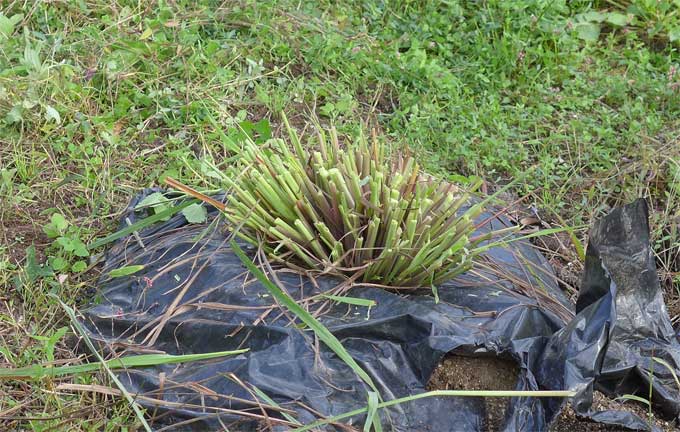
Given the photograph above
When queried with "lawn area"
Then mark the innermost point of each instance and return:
(99, 100)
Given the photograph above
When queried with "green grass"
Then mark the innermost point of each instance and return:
(99, 99)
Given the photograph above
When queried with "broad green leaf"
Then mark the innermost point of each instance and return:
(52, 114)
(327, 110)
(617, 19)
(263, 128)
(125, 271)
(674, 34)
(33, 269)
(59, 222)
(7, 24)
(58, 263)
(32, 59)
(79, 266)
(593, 16)
(15, 115)
(146, 35)
(57, 226)
(588, 31)
(66, 243)
(79, 248)
(156, 201)
(195, 213)
(51, 231)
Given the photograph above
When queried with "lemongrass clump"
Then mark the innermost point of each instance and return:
(352, 211)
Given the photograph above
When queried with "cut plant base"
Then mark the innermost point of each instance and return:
(352, 209)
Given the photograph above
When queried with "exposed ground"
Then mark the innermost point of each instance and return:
(478, 373)
(491, 373)
(99, 99)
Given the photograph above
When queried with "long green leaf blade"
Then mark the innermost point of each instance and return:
(271, 402)
(372, 417)
(140, 225)
(439, 393)
(322, 332)
(144, 360)
(351, 300)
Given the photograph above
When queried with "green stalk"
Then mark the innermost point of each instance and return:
(321, 332)
(334, 208)
(440, 393)
(302, 155)
(311, 240)
(38, 371)
(373, 226)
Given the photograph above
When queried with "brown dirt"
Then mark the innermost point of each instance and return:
(491, 373)
(478, 373)
(19, 231)
(569, 421)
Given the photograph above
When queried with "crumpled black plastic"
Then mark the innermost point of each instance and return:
(518, 313)
(622, 324)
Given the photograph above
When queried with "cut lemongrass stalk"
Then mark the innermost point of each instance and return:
(334, 207)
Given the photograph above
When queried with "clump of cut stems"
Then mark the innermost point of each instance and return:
(353, 210)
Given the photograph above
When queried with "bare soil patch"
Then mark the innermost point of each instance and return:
(492, 373)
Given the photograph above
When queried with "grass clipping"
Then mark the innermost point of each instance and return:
(353, 210)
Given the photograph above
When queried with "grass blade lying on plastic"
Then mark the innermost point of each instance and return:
(135, 361)
(540, 233)
(271, 402)
(351, 300)
(148, 221)
(79, 328)
(440, 393)
(322, 332)
(372, 416)
(38, 371)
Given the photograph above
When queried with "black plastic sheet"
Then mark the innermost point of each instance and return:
(194, 295)
(622, 324)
